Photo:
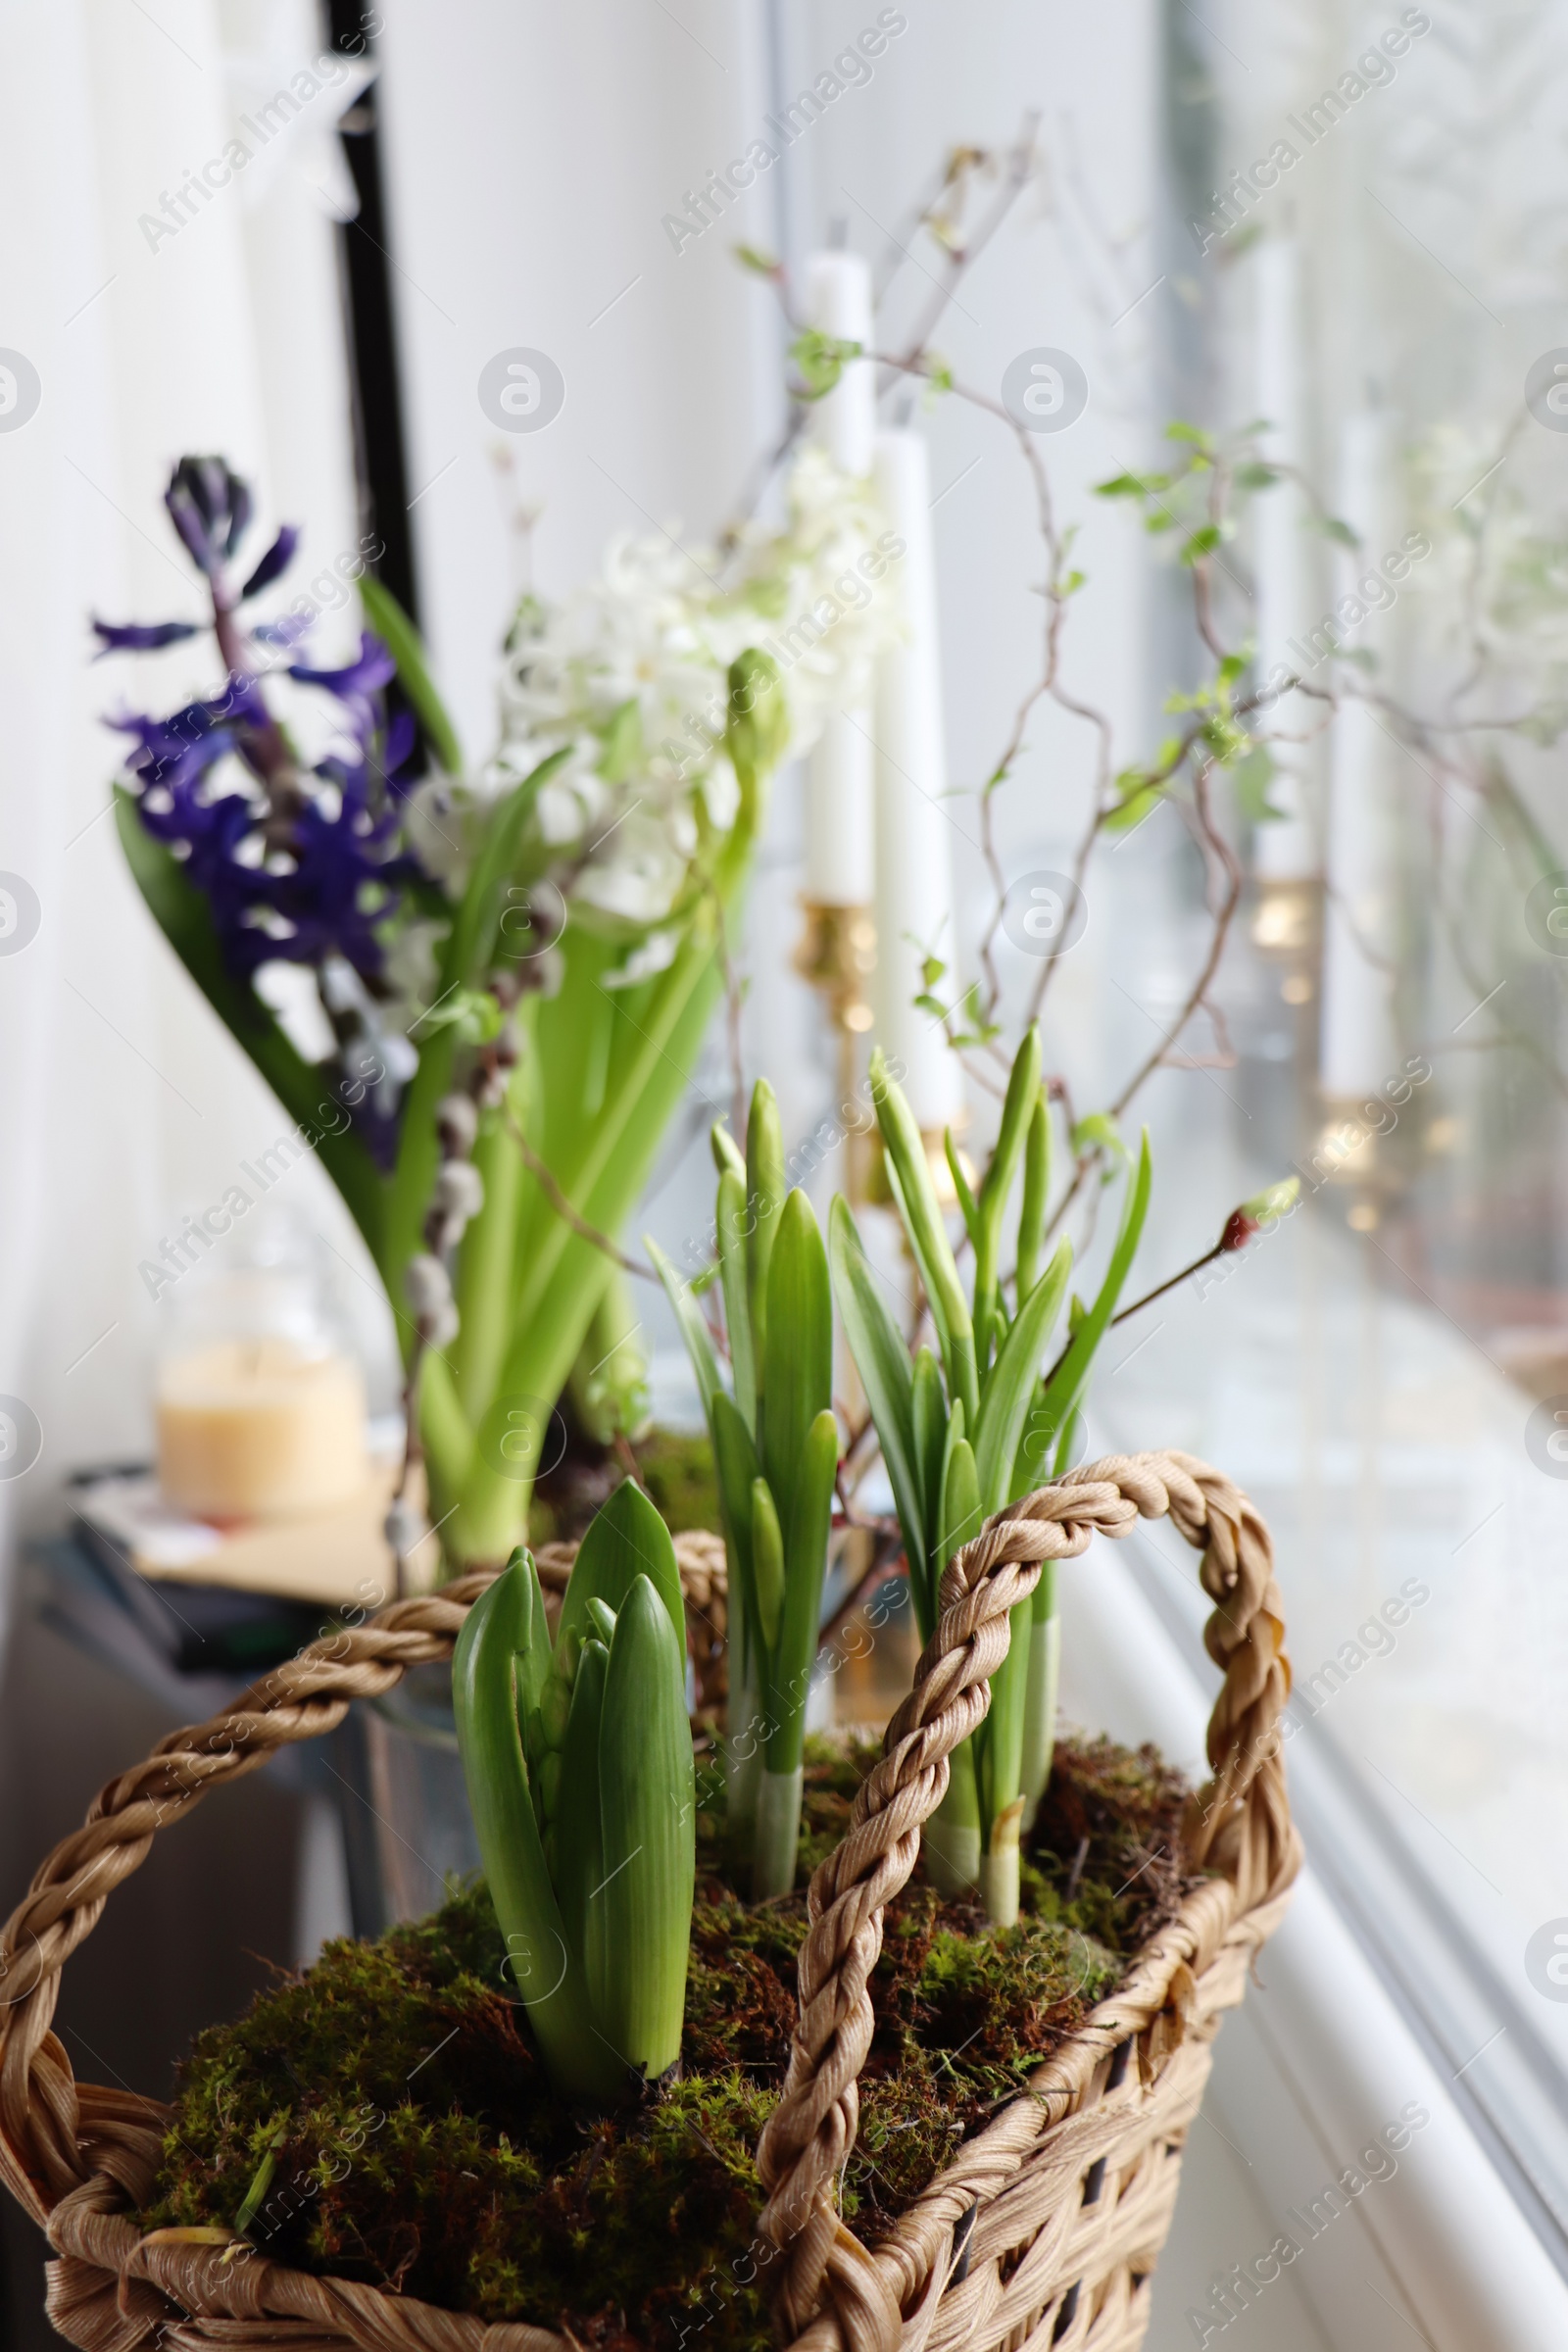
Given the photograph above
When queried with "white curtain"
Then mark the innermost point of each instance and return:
(127, 1104)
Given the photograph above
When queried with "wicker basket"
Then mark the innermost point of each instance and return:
(1044, 2228)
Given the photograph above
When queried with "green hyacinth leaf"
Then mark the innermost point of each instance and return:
(962, 1514)
(736, 1467)
(731, 1220)
(798, 1359)
(506, 1625)
(915, 1195)
(1051, 1416)
(1036, 1191)
(397, 632)
(806, 1563)
(1023, 1089)
(726, 1152)
(883, 1362)
(1012, 1382)
(766, 1185)
(930, 1418)
(767, 1564)
(648, 1802)
(578, 1836)
(626, 1538)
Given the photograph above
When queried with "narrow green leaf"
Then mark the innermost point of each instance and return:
(798, 1377)
(923, 1217)
(731, 1219)
(648, 1799)
(265, 2172)
(1023, 1089)
(961, 1184)
(626, 1540)
(397, 632)
(999, 1744)
(962, 1515)
(693, 1327)
(929, 1421)
(574, 1841)
(883, 1362)
(1052, 1413)
(736, 1466)
(1036, 1192)
(806, 1563)
(767, 1564)
(935, 1302)
(1012, 1381)
(603, 1619)
(726, 1152)
(1023, 1093)
(764, 1195)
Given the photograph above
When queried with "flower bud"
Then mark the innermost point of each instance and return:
(1263, 1208)
(457, 1123)
(426, 1286)
(459, 1190)
(440, 1329)
(1276, 1200)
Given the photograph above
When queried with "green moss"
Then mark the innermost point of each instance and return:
(415, 2144)
(677, 1469)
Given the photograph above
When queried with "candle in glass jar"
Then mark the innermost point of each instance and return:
(260, 1428)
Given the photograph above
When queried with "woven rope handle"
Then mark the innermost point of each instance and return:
(1238, 1825)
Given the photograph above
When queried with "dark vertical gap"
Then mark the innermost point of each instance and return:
(379, 449)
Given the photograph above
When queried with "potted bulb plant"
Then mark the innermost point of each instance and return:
(776, 1451)
(506, 974)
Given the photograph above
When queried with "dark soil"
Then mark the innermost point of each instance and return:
(383, 2116)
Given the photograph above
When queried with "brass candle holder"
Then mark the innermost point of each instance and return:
(838, 956)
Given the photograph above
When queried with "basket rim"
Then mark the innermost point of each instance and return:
(79, 2157)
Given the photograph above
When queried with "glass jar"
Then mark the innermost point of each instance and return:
(260, 1404)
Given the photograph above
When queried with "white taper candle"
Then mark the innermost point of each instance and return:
(1287, 848)
(1356, 1046)
(840, 847)
(914, 822)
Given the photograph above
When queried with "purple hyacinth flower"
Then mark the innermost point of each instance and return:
(277, 560)
(140, 637)
(358, 679)
(210, 507)
(294, 865)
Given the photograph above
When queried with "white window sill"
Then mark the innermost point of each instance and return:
(1309, 2072)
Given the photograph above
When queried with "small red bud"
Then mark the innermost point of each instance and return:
(1239, 1229)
